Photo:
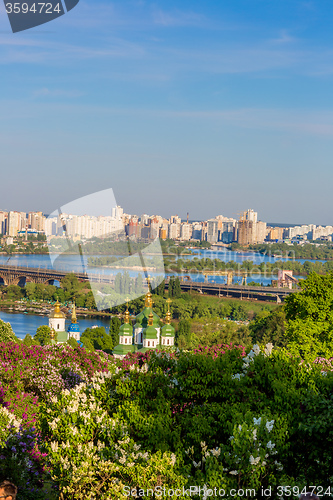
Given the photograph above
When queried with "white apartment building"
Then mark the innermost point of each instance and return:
(83, 226)
(251, 215)
(16, 222)
(186, 232)
(174, 231)
(3, 222)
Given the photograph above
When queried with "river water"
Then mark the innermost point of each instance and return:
(28, 323)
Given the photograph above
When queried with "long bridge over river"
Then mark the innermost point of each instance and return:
(14, 275)
(262, 293)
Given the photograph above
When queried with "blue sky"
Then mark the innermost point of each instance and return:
(208, 107)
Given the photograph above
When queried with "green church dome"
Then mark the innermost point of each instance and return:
(150, 333)
(168, 331)
(143, 316)
(126, 329)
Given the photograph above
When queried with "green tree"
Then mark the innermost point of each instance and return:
(170, 286)
(138, 286)
(70, 284)
(177, 291)
(72, 342)
(14, 292)
(42, 335)
(183, 334)
(174, 288)
(6, 332)
(30, 289)
(159, 289)
(115, 324)
(90, 301)
(28, 340)
(87, 344)
(238, 313)
(98, 338)
(269, 327)
(50, 292)
(309, 314)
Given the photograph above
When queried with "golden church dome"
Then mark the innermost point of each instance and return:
(57, 313)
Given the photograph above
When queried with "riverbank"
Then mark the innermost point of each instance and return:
(306, 251)
(44, 309)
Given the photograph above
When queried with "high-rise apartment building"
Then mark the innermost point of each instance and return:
(197, 229)
(275, 233)
(249, 231)
(174, 231)
(15, 223)
(174, 219)
(212, 230)
(117, 212)
(260, 232)
(186, 232)
(3, 222)
(36, 221)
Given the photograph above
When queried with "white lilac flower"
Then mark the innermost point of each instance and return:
(54, 446)
(239, 427)
(270, 445)
(257, 421)
(216, 452)
(255, 434)
(256, 349)
(237, 376)
(196, 465)
(53, 425)
(173, 458)
(269, 425)
(144, 368)
(268, 349)
(254, 461)
(233, 472)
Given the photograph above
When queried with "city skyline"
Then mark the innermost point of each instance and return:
(80, 225)
(205, 106)
(183, 217)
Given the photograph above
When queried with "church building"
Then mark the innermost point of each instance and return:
(146, 333)
(57, 320)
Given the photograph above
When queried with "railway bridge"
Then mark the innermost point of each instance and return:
(14, 275)
(261, 293)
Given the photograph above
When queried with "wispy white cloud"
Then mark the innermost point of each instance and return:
(283, 38)
(307, 123)
(295, 121)
(27, 50)
(46, 92)
(178, 18)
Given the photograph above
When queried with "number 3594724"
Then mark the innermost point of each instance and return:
(35, 8)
